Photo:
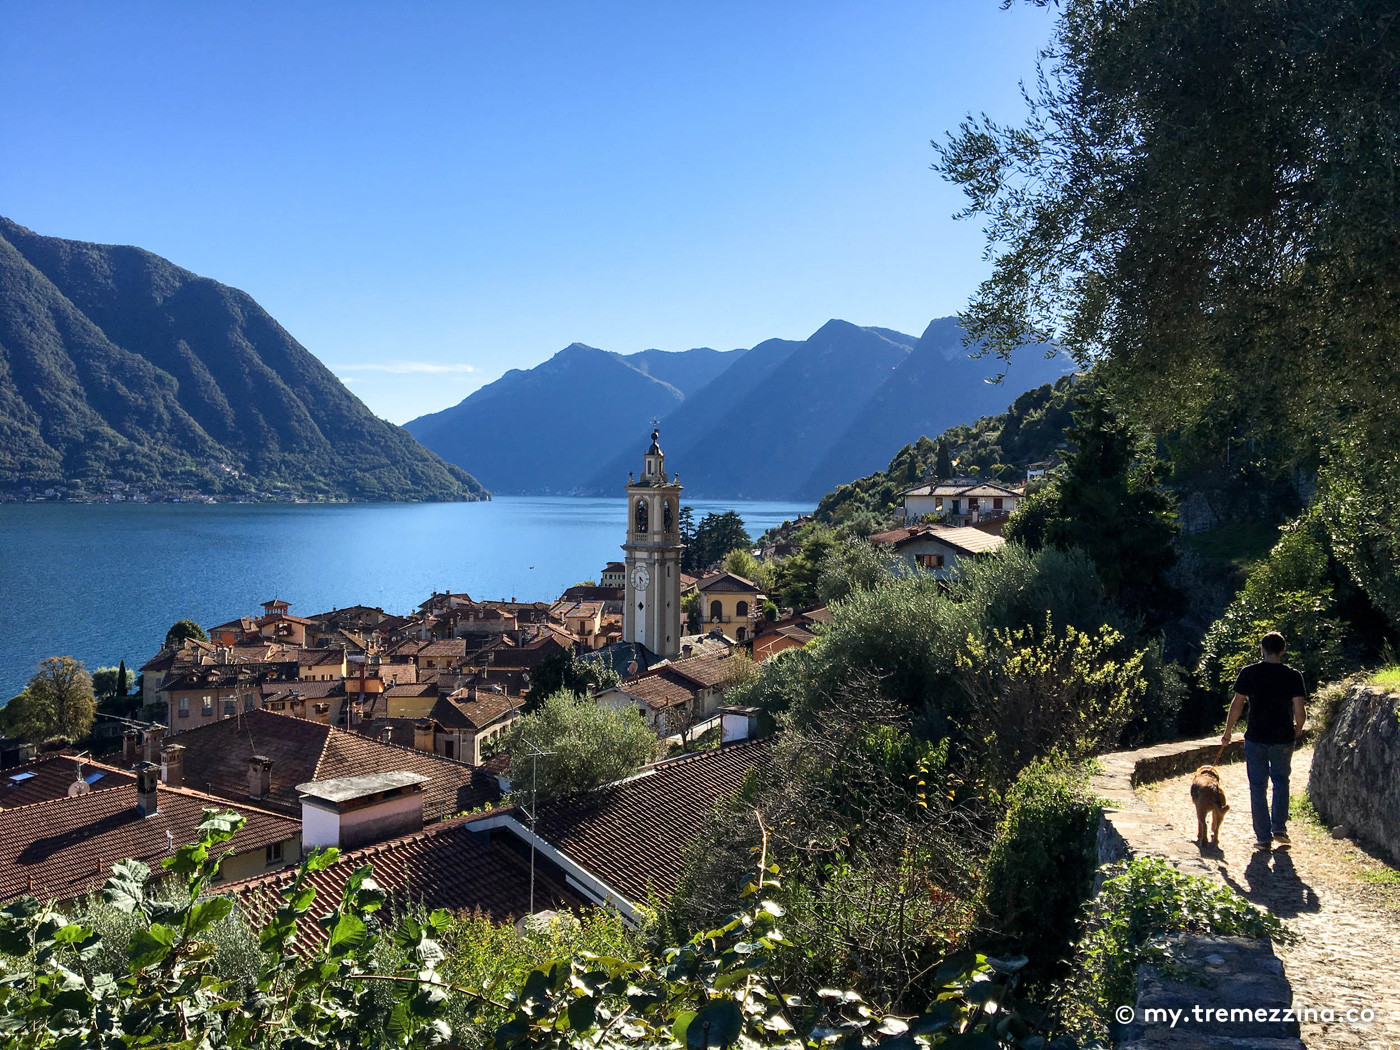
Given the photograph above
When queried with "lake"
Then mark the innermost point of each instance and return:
(104, 582)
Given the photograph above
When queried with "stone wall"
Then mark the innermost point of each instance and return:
(1355, 778)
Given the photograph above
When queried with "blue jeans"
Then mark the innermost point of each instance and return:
(1263, 763)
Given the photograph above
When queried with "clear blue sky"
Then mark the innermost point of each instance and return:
(429, 194)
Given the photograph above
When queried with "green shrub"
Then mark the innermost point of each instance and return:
(1038, 691)
(1290, 592)
(1139, 905)
(1040, 869)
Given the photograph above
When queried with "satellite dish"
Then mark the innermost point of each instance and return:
(78, 787)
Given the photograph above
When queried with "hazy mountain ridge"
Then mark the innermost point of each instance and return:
(785, 419)
(117, 366)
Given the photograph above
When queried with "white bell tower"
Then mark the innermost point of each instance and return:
(651, 613)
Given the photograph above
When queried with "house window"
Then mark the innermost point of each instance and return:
(716, 610)
(741, 634)
(230, 707)
(997, 503)
(206, 706)
(249, 702)
(929, 561)
(274, 854)
(973, 503)
(641, 515)
(184, 707)
(742, 609)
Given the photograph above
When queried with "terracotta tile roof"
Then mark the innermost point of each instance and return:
(444, 649)
(634, 835)
(307, 690)
(707, 670)
(52, 776)
(448, 865)
(973, 541)
(728, 583)
(216, 761)
(660, 690)
(966, 539)
(464, 713)
(65, 847)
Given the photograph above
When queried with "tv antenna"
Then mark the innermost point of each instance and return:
(535, 754)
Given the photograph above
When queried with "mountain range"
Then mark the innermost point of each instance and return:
(118, 367)
(786, 419)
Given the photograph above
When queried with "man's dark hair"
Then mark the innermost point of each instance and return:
(1273, 643)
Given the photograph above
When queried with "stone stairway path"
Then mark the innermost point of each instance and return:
(1348, 953)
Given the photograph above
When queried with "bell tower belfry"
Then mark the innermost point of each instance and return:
(651, 613)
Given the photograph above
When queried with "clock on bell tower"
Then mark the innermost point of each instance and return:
(651, 613)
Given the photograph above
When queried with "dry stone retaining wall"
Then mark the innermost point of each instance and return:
(1355, 778)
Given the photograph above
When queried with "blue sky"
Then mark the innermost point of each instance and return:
(428, 194)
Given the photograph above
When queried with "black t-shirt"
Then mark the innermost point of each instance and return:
(1271, 689)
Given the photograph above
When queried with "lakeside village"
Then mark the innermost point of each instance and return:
(379, 733)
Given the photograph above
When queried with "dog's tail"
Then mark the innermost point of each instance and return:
(1195, 790)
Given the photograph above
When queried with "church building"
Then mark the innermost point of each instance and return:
(651, 613)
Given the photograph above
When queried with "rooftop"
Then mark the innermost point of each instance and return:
(65, 847)
(345, 789)
(635, 834)
(448, 865)
(217, 754)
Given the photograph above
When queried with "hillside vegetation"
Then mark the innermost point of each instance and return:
(118, 368)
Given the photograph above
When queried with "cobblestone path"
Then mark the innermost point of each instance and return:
(1348, 952)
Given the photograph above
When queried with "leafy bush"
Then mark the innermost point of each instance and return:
(167, 988)
(1040, 868)
(1290, 592)
(588, 744)
(371, 983)
(1138, 906)
(1034, 692)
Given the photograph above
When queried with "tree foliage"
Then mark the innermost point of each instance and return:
(589, 744)
(1202, 197)
(1291, 591)
(182, 630)
(57, 702)
(565, 672)
(711, 539)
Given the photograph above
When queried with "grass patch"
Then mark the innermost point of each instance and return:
(1387, 678)
(1301, 810)
(1381, 876)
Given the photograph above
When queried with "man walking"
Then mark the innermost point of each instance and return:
(1276, 716)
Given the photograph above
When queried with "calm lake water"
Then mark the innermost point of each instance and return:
(103, 582)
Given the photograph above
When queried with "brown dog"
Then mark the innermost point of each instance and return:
(1209, 797)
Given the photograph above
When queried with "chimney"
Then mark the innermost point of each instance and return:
(298, 705)
(259, 776)
(321, 713)
(172, 766)
(147, 777)
(151, 737)
(131, 745)
(687, 649)
(386, 734)
(423, 736)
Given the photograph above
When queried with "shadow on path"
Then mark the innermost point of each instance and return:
(1277, 886)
